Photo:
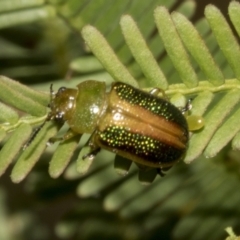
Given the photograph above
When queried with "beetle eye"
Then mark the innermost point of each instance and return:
(61, 89)
(59, 115)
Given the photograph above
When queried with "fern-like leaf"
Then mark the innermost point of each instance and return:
(182, 59)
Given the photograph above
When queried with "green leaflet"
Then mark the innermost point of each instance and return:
(147, 48)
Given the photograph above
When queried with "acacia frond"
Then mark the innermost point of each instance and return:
(164, 50)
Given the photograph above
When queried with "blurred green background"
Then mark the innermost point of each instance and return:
(192, 202)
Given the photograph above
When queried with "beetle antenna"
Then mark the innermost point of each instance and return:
(48, 118)
(51, 92)
(36, 131)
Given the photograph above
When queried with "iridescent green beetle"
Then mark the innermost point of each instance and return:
(137, 125)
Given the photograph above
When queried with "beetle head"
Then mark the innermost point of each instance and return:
(61, 104)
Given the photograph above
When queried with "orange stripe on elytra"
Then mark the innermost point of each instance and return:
(143, 115)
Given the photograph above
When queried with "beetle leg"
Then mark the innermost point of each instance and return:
(187, 107)
(94, 149)
(162, 170)
(69, 134)
(52, 140)
(156, 91)
(92, 153)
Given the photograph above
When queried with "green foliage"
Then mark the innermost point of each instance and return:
(146, 46)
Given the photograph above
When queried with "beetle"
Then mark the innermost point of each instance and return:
(137, 125)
